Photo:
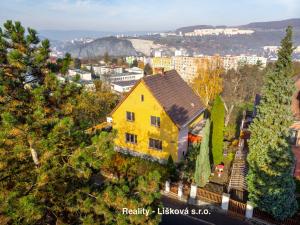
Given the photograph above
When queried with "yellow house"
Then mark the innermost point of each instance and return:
(154, 119)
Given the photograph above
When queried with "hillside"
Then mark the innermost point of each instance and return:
(144, 46)
(265, 34)
(114, 46)
(271, 25)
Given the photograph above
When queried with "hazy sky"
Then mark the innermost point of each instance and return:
(142, 15)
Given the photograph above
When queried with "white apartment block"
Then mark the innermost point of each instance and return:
(84, 75)
(124, 77)
(271, 48)
(99, 70)
(157, 53)
(130, 74)
(230, 62)
(186, 67)
(219, 31)
(297, 49)
(252, 60)
(135, 70)
(233, 62)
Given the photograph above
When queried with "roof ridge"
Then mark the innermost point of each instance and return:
(177, 98)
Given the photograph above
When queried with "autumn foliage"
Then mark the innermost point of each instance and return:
(208, 81)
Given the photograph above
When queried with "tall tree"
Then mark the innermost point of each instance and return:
(240, 86)
(121, 61)
(202, 170)
(270, 183)
(217, 135)
(46, 171)
(141, 65)
(93, 106)
(65, 63)
(208, 81)
(106, 57)
(148, 69)
(134, 63)
(77, 63)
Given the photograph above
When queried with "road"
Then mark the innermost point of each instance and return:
(212, 217)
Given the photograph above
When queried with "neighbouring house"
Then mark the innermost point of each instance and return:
(295, 141)
(84, 75)
(154, 119)
(122, 86)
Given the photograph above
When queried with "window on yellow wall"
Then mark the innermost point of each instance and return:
(155, 144)
(131, 138)
(142, 98)
(155, 121)
(130, 116)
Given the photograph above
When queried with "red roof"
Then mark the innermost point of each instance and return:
(194, 138)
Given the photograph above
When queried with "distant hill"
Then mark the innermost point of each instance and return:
(65, 35)
(282, 24)
(114, 46)
(265, 34)
(295, 23)
(192, 28)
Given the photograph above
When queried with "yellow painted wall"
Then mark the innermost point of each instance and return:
(167, 132)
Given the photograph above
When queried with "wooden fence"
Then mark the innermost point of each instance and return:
(235, 208)
(208, 196)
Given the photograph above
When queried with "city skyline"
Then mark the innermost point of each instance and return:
(133, 15)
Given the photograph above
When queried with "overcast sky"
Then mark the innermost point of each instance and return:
(143, 15)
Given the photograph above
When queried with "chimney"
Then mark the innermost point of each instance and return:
(160, 70)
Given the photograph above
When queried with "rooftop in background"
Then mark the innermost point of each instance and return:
(125, 83)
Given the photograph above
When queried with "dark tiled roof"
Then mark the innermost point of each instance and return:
(125, 83)
(176, 97)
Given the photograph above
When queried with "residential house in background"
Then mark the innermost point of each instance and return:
(154, 119)
(84, 75)
(122, 86)
(125, 76)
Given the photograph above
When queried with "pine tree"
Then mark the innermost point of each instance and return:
(46, 168)
(202, 170)
(66, 61)
(106, 57)
(134, 63)
(77, 63)
(270, 182)
(148, 69)
(37, 130)
(217, 137)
